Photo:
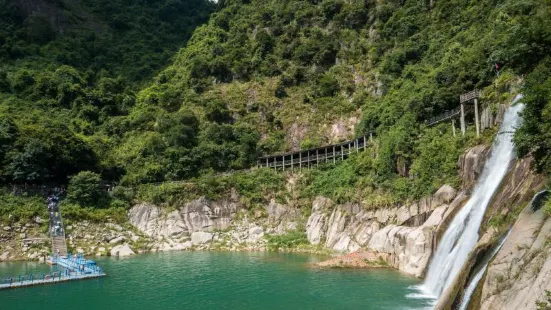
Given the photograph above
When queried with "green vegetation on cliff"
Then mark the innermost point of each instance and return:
(293, 69)
(68, 69)
(261, 77)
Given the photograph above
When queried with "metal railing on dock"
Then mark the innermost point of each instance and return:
(62, 275)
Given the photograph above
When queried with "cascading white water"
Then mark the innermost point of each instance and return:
(474, 282)
(462, 234)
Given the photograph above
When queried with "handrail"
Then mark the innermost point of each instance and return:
(444, 116)
(447, 115)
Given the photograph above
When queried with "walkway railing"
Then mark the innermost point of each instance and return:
(76, 263)
(62, 275)
(33, 277)
(447, 115)
(444, 117)
(313, 157)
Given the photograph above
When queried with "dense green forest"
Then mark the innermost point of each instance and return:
(260, 76)
(68, 69)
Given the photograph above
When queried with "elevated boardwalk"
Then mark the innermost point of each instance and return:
(444, 117)
(313, 157)
(460, 112)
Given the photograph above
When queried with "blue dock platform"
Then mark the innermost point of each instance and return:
(71, 268)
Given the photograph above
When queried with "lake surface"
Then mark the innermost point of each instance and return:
(216, 280)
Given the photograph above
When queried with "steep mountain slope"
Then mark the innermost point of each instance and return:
(268, 76)
(299, 74)
(68, 66)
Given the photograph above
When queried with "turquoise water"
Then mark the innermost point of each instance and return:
(216, 280)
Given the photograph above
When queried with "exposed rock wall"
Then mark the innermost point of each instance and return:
(521, 271)
(471, 164)
(517, 189)
(198, 215)
(489, 119)
(204, 224)
(402, 235)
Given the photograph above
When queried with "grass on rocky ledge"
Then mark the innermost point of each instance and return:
(287, 241)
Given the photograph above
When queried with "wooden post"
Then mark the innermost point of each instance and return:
(334, 155)
(300, 160)
(326, 157)
(283, 162)
(463, 119)
(267, 163)
(356, 145)
(453, 126)
(370, 137)
(308, 159)
(349, 147)
(317, 157)
(365, 145)
(292, 162)
(342, 152)
(476, 118)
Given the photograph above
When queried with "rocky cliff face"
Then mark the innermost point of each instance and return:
(205, 224)
(402, 236)
(471, 164)
(518, 188)
(198, 215)
(521, 271)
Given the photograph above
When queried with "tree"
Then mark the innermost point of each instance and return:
(48, 152)
(327, 86)
(180, 129)
(4, 82)
(8, 134)
(84, 189)
(217, 111)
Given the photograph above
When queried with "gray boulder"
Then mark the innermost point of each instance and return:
(122, 251)
(201, 237)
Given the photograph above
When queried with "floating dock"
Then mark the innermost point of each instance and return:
(71, 268)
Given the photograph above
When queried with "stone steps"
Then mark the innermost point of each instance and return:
(59, 245)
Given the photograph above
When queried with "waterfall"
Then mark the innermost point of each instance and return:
(474, 282)
(462, 234)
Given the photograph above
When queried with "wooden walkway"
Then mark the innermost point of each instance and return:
(444, 117)
(313, 157)
(460, 112)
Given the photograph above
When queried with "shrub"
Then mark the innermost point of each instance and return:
(289, 240)
(84, 189)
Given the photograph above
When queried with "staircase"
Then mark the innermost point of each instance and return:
(57, 232)
(59, 245)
